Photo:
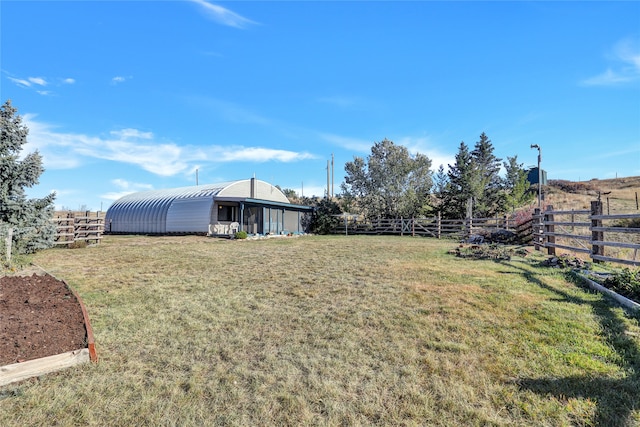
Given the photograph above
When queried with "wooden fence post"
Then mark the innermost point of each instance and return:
(596, 209)
(536, 228)
(8, 242)
(549, 228)
(439, 224)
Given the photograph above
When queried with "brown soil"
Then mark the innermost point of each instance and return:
(39, 317)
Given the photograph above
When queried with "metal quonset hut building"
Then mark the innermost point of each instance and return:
(254, 206)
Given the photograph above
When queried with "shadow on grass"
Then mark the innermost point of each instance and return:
(615, 398)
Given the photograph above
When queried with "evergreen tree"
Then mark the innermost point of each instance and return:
(29, 218)
(487, 197)
(517, 188)
(440, 187)
(460, 187)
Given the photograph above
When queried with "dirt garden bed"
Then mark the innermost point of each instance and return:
(40, 316)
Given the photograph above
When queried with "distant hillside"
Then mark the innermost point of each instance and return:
(622, 194)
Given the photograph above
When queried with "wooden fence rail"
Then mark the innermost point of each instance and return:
(584, 231)
(581, 231)
(426, 227)
(79, 227)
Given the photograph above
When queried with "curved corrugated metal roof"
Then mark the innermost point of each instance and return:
(169, 210)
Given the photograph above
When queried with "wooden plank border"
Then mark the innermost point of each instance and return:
(45, 365)
(623, 301)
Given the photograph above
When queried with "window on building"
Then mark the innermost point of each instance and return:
(226, 213)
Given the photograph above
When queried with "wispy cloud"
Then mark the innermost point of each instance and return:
(140, 148)
(124, 187)
(222, 15)
(423, 145)
(232, 112)
(625, 57)
(38, 83)
(29, 81)
(355, 144)
(119, 79)
(259, 154)
(131, 133)
(20, 82)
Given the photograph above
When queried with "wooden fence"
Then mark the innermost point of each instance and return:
(74, 227)
(425, 227)
(589, 232)
(580, 231)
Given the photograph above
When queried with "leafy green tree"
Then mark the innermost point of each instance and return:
(517, 188)
(291, 194)
(391, 183)
(29, 218)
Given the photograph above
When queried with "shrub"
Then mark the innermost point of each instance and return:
(626, 283)
(241, 235)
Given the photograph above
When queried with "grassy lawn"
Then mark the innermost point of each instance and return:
(332, 331)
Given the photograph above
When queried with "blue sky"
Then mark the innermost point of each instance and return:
(123, 96)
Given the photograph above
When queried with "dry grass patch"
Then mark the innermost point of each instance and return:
(331, 331)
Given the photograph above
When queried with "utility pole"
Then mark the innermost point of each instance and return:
(332, 181)
(328, 188)
(196, 176)
(539, 175)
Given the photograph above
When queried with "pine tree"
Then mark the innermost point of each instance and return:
(440, 186)
(461, 184)
(517, 188)
(29, 218)
(488, 199)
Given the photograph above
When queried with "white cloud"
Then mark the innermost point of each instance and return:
(234, 113)
(20, 82)
(223, 16)
(29, 81)
(355, 144)
(258, 154)
(424, 146)
(38, 81)
(131, 133)
(131, 146)
(119, 79)
(626, 58)
(314, 190)
(126, 187)
(607, 78)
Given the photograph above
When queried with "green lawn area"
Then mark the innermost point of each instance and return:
(332, 330)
